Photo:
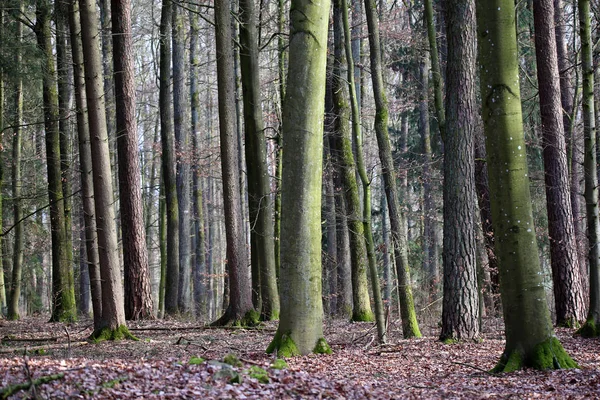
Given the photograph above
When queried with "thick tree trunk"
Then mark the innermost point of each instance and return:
(168, 163)
(260, 204)
(300, 329)
(138, 298)
(566, 274)
(85, 164)
(460, 309)
(410, 326)
(240, 309)
(63, 291)
(2, 285)
(530, 339)
(112, 325)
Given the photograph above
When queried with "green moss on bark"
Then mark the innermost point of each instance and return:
(589, 329)
(322, 347)
(363, 316)
(284, 345)
(548, 354)
(120, 333)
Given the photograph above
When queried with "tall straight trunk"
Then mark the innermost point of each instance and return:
(410, 326)
(182, 146)
(342, 18)
(138, 297)
(566, 274)
(168, 162)
(107, 51)
(300, 329)
(343, 157)
(260, 204)
(162, 240)
(530, 340)
(112, 324)
(591, 327)
(199, 265)
(17, 181)
(240, 290)
(430, 245)
(460, 309)
(329, 214)
(63, 63)
(2, 285)
(435, 68)
(388, 273)
(84, 305)
(63, 290)
(85, 165)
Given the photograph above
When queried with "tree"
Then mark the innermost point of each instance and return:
(590, 328)
(530, 339)
(460, 310)
(112, 325)
(260, 204)
(240, 309)
(2, 285)
(168, 163)
(85, 164)
(138, 299)
(566, 273)
(63, 290)
(300, 329)
(435, 68)
(410, 326)
(17, 271)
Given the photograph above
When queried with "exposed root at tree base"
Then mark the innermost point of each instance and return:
(250, 319)
(589, 329)
(548, 354)
(120, 333)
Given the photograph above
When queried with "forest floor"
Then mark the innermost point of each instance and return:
(162, 364)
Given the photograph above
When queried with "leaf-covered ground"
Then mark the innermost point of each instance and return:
(164, 364)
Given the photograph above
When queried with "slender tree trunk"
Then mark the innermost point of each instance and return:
(530, 339)
(63, 292)
(85, 164)
(590, 328)
(17, 181)
(112, 325)
(410, 326)
(460, 310)
(162, 240)
(2, 271)
(240, 290)
(568, 291)
(435, 68)
(300, 329)
(168, 163)
(260, 203)
(138, 298)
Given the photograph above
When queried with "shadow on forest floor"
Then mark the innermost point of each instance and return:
(163, 364)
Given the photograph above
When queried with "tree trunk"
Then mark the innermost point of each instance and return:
(530, 339)
(300, 329)
(460, 309)
(17, 271)
(590, 328)
(112, 325)
(63, 291)
(138, 298)
(168, 163)
(435, 68)
(410, 326)
(566, 274)
(85, 164)
(2, 271)
(240, 309)
(260, 204)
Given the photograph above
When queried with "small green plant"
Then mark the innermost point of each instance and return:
(195, 360)
(258, 373)
(279, 364)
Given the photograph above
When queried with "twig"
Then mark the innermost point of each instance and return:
(8, 391)
(370, 342)
(69, 342)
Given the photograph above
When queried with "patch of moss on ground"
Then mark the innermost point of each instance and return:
(589, 329)
(232, 360)
(322, 347)
(279, 364)
(258, 373)
(121, 333)
(194, 360)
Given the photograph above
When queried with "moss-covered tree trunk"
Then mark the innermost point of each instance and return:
(344, 159)
(566, 273)
(260, 203)
(460, 309)
(63, 291)
(168, 163)
(2, 286)
(590, 328)
(85, 164)
(17, 271)
(435, 68)
(410, 327)
(112, 324)
(300, 329)
(530, 339)
(138, 299)
(240, 309)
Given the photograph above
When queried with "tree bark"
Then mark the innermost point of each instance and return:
(138, 298)
(300, 329)
(530, 339)
(460, 309)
